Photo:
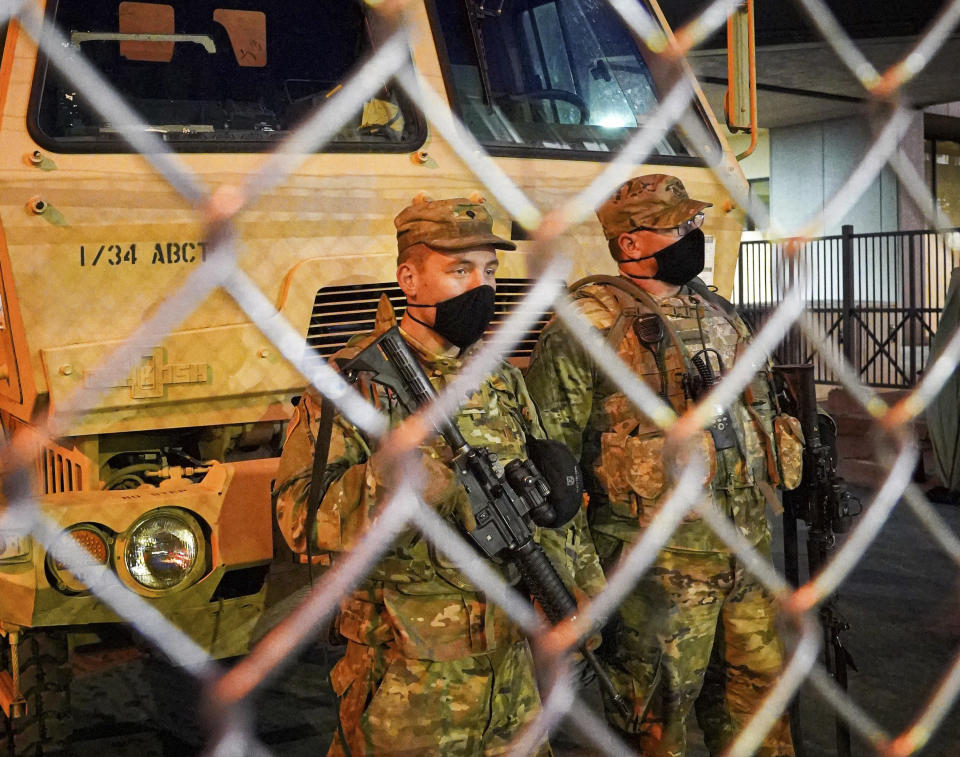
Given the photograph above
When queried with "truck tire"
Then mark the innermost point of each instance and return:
(45, 683)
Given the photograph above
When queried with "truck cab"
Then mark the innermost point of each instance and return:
(163, 474)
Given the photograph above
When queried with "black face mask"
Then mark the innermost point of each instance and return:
(461, 320)
(679, 262)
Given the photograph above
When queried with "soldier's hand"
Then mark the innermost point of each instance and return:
(439, 487)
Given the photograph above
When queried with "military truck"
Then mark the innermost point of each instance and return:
(164, 476)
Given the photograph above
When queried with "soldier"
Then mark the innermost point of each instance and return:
(430, 667)
(678, 337)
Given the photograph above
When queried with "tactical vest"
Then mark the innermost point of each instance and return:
(673, 345)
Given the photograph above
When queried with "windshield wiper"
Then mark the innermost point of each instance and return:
(477, 12)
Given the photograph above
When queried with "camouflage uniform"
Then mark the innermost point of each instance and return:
(430, 666)
(697, 597)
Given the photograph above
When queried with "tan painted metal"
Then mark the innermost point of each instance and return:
(233, 500)
(334, 214)
(330, 223)
(8, 693)
(12, 703)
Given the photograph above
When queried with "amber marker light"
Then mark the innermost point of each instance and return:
(96, 548)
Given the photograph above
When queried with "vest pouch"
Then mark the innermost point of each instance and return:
(343, 515)
(632, 472)
(647, 475)
(645, 471)
(788, 437)
(611, 471)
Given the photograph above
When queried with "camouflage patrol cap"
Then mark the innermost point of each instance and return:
(447, 225)
(654, 201)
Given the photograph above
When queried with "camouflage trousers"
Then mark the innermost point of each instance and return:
(395, 705)
(697, 633)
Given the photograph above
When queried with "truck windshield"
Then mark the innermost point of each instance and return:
(557, 75)
(209, 78)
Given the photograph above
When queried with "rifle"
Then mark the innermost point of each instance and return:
(828, 508)
(503, 498)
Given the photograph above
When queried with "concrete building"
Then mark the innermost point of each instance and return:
(819, 122)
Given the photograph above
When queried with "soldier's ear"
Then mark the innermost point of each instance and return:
(627, 244)
(407, 278)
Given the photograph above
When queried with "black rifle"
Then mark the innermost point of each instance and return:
(503, 499)
(824, 504)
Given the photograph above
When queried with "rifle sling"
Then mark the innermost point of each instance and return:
(321, 452)
(639, 296)
(736, 323)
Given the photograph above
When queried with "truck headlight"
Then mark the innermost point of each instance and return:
(163, 550)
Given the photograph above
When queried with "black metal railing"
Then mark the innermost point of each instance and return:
(877, 298)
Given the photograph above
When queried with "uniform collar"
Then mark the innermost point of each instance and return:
(657, 297)
(452, 360)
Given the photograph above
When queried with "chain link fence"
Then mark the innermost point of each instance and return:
(221, 210)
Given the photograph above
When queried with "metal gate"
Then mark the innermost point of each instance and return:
(876, 298)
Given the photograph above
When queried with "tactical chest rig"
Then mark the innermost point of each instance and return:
(640, 313)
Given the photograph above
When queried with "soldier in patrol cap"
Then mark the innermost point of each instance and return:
(430, 667)
(697, 599)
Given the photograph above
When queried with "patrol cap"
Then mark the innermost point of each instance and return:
(447, 225)
(654, 201)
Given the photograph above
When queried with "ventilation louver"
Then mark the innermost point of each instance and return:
(341, 312)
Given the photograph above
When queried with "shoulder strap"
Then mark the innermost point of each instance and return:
(697, 286)
(321, 452)
(620, 283)
(733, 318)
(639, 296)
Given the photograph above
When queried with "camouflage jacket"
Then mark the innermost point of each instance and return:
(415, 598)
(621, 448)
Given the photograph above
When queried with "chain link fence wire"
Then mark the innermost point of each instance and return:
(228, 693)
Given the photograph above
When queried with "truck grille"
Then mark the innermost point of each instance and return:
(342, 312)
(57, 473)
(57, 468)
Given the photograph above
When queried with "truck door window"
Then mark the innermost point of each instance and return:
(212, 78)
(555, 75)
